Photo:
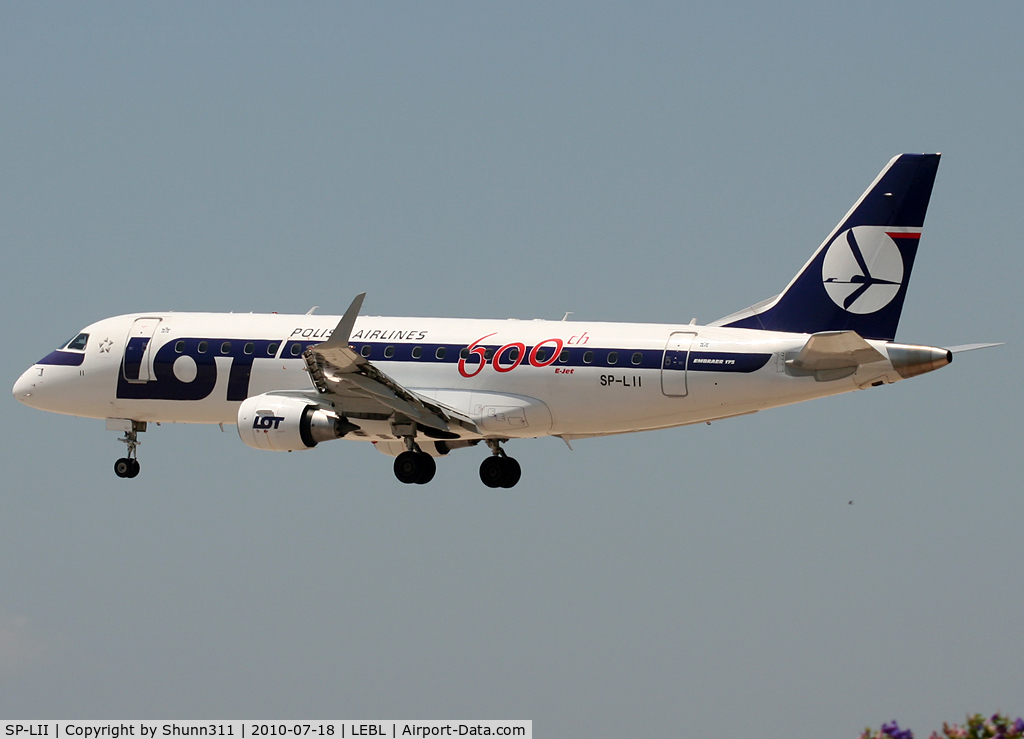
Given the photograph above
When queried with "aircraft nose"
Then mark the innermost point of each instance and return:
(27, 386)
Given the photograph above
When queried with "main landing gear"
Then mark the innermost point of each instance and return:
(129, 466)
(413, 465)
(499, 470)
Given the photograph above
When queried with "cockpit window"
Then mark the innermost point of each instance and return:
(78, 343)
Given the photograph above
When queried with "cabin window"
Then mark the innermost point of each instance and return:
(296, 348)
(272, 349)
(179, 347)
(78, 343)
(588, 357)
(638, 358)
(464, 354)
(440, 352)
(488, 354)
(203, 346)
(365, 351)
(613, 357)
(417, 352)
(225, 348)
(389, 352)
(564, 356)
(513, 354)
(541, 354)
(249, 348)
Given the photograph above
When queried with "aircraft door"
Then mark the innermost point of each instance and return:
(674, 361)
(138, 353)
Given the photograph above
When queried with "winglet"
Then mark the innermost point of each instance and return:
(344, 329)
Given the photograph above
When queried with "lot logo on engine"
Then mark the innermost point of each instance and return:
(267, 422)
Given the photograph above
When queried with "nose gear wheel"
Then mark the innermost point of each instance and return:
(126, 467)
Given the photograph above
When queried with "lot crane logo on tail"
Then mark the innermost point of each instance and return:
(863, 269)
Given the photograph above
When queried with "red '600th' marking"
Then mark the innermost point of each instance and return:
(554, 355)
(521, 355)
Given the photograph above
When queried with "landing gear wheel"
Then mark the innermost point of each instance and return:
(124, 467)
(511, 474)
(415, 467)
(427, 468)
(134, 471)
(492, 471)
(407, 467)
(500, 472)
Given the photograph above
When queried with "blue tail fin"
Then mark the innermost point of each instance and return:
(857, 279)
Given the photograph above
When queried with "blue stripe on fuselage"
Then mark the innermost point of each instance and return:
(242, 352)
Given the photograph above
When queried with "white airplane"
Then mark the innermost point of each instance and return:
(418, 388)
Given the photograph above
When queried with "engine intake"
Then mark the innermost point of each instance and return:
(285, 423)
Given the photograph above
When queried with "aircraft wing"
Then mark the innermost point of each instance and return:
(338, 370)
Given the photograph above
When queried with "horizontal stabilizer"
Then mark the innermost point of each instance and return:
(972, 347)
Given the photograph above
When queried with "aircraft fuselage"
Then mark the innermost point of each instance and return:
(568, 378)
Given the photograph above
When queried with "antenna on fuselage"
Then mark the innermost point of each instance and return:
(567, 314)
(312, 310)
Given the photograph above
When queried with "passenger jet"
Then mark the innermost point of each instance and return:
(420, 388)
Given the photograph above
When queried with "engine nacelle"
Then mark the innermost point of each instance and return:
(285, 423)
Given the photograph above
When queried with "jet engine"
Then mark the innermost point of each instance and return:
(285, 423)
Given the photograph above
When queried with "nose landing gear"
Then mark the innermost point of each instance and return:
(499, 470)
(129, 466)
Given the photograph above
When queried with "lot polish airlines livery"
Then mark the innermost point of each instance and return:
(418, 388)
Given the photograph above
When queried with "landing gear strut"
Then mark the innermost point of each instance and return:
(413, 465)
(129, 466)
(499, 470)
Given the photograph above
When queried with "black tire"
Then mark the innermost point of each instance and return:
(492, 471)
(511, 474)
(408, 467)
(134, 471)
(123, 467)
(427, 468)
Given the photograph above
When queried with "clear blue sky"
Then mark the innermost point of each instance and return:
(637, 162)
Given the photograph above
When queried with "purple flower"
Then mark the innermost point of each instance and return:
(893, 731)
(1018, 725)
